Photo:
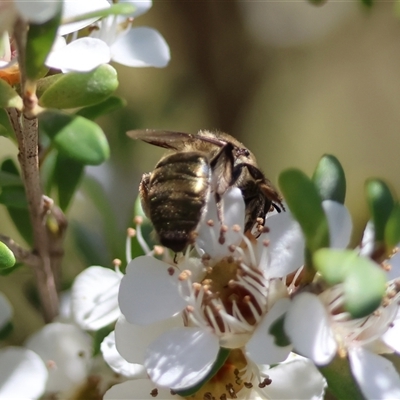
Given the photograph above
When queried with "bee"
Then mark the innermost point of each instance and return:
(174, 196)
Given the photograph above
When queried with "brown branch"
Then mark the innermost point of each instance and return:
(22, 255)
(26, 131)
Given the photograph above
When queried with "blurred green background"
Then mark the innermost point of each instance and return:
(291, 80)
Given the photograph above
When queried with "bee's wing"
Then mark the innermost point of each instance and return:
(171, 139)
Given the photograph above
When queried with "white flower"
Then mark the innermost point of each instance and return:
(67, 352)
(23, 374)
(225, 302)
(319, 329)
(94, 297)
(113, 38)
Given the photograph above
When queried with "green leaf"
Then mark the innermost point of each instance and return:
(364, 288)
(334, 265)
(304, 202)
(6, 330)
(364, 282)
(392, 228)
(367, 3)
(115, 9)
(77, 89)
(14, 197)
(66, 177)
(111, 104)
(9, 97)
(20, 216)
(7, 258)
(222, 356)
(340, 381)
(278, 332)
(44, 83)
(330, 180)
(39, 43)
(9, 179)
(75, 137)
(380, 202)
(6, 129)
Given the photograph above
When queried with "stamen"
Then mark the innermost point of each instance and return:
(130, 233)
(139, 221)
(250, 248)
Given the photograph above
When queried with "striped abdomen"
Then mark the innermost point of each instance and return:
(178, 191)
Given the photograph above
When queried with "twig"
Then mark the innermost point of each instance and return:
(22, 255)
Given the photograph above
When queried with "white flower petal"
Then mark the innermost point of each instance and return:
(74, 8)
(233, 214)
(117, 363)
(285, 252)
(339, 222)
(68, 351)
(23, 374)
(95, 298)
(181, 357)
(6, 311)
(261, 348)
(139, 389)
(392, 335)
(375, 375)
(132, 340)
(141, 47)
(305, 381)
(81, 55)
(37, 12)
(368, 240)
(307, 326)
(148, 293)
(394, 272)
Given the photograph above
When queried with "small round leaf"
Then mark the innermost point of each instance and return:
(7, 259)
(77, 89)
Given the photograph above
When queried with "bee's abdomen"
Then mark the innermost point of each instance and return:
(178, 191)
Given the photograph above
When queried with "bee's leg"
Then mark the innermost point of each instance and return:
(222, 168)
(143, 193)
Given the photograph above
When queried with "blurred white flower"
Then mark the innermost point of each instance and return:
(66, 351)
(319, 329)
(6, 311)
(113, 38)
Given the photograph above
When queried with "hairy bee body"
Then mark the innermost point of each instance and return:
(174, 196)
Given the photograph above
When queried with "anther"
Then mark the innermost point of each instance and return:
(265, 243)
(154, 393)
(236, 228)
(171, 271)
(138, 220)
(131, 232)
(265, 382)
(189, 309)
(248, 385)
(185, 275)
(173, 393)
(210, 222)
(231, 390)
(265, 229)
(223, 396)
(231, 248)
(117, 262)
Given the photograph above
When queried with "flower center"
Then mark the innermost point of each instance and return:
(231, 298)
